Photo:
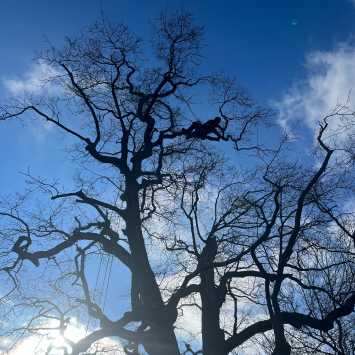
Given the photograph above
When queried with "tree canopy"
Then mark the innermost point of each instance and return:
(180, 185)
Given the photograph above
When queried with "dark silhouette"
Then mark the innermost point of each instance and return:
(263, 255)
(208, 130)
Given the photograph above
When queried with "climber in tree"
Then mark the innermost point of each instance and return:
(209, 130)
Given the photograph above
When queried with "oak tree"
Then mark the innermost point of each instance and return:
(263, 252)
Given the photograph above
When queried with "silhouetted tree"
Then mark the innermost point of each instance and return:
(265, 256)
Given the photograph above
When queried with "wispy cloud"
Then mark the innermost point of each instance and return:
(35, 81)
(328, 87)
(41, 79)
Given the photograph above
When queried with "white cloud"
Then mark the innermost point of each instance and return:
(328, 88)
(35, 81)
(39, 344)
(40, 79)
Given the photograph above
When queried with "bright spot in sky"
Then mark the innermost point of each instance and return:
(38, 345)
(294, 22)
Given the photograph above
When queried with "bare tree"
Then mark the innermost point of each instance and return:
(256, 253)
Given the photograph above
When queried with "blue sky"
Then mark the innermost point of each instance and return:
(263, 43)
(298, 55)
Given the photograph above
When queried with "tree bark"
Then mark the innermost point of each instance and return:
(212, 335)
(282, 349)
(162, 339)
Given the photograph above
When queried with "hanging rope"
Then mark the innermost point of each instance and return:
(103, 278)
(95, 289)
(110, 262)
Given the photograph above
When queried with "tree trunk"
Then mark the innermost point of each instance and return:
(162, 342)
(212, 335)
(282, 349)
(162, 339)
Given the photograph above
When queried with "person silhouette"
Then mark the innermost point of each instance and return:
(211, 129)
